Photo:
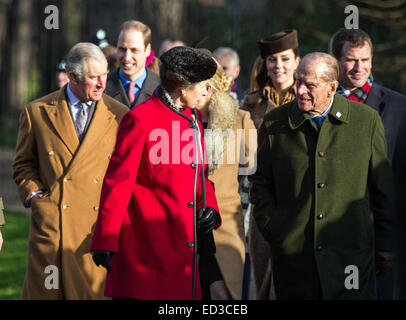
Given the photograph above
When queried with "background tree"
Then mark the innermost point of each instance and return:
(29, 52)
(16, 60)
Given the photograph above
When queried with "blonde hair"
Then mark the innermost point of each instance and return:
(220, 81)
(222, 114)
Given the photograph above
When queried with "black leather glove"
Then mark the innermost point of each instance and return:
(101, 257)
(206, 220)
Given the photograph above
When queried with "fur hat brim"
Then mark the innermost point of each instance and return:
(193, 64)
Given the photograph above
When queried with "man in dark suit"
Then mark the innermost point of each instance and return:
(353, 50)
(132, 83)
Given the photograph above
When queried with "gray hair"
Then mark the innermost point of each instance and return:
(326, 63)
(79, 55)
(226, 51)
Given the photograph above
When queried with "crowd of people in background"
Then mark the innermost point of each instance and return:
(321, 189)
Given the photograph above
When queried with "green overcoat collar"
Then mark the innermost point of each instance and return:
(339, 110)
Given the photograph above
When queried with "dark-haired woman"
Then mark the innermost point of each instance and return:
(280, 58)
(153, 188)
(275, 80)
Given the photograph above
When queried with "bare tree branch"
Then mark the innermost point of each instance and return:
(376, 13)
(383, 4)
(382, 47)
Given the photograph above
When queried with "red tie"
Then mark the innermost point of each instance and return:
(131, 96)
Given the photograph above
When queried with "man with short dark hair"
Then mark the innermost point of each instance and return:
(353, 50)
(132, 83)
(63, 149)
(322, 167)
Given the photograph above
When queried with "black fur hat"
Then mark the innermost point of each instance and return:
(193, 64)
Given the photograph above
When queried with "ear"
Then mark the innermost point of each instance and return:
(73, 77)
(237, 72)
(148, 50)
(297, 60)
(333, 88)
(209, 88)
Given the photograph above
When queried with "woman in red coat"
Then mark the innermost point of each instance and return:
(152, 189)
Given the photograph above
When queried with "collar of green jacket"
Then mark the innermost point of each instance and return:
(339, 110)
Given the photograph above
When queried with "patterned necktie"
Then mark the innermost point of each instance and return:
(131, 95)
(81, 120)
(318, 121)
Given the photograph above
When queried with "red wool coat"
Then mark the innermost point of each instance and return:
(144, 213)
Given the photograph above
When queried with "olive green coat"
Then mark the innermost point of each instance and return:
(313, 193)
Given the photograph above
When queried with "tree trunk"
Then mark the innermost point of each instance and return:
(16, 64)
(166, 15)
(108, 15)
(4, 14)
(3, 26)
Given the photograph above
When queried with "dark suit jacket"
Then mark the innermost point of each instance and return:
(399, 168)
(391, 106)
(240, 94)
(115, 89)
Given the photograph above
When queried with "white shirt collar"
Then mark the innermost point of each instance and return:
(325, 112)
(71, 96)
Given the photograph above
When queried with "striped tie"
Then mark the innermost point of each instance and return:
(81, 120)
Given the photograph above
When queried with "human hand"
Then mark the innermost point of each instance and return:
(36, 197)
(383, 261)
(1, 240)
(206, 220)
(102, 257)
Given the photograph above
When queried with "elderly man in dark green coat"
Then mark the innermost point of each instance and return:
(322, 169)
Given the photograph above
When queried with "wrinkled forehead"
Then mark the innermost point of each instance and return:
(96, 65)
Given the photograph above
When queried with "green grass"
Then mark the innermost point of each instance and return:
(13, 254)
